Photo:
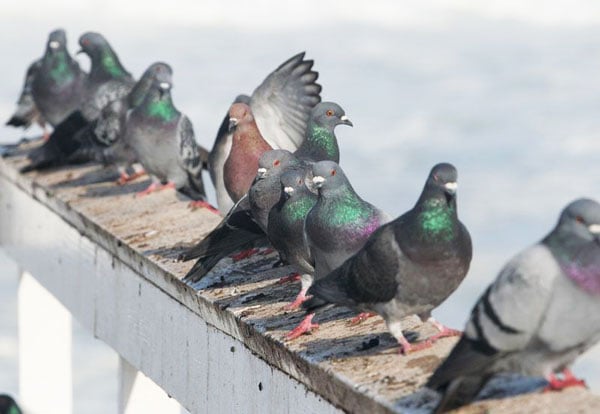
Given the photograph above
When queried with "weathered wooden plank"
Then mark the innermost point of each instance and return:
(123, 250)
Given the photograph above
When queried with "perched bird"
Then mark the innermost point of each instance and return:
(250, 217)
(286, 224)
(409, 266)
(281, 106)
(247, 146)
(108, 80)
(244, 226)
(539, 315)
(336, 227)
(103, 139)
(8, 405)
(27, 112)
(58, 85)
(163, 140)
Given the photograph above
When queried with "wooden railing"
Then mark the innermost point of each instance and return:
(110, 260)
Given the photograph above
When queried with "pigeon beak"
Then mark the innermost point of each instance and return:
(594, 229)
(318, 181)
(346, 121)
(54, 44)
(451, 187)
(165, 86)
(288, 190)
(261, 172)
(232, 123)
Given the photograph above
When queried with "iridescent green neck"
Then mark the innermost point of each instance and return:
(298, 207)
(162, 108)
(110, 63)
(322, 139)
(436, 219)
(60, 71)
(348, 208)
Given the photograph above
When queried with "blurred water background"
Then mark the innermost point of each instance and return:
(509, 92)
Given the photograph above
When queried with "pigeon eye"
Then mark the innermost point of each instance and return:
(332, 172)
(276, 163)
(299, 182)
(329, 112)
(579, 219)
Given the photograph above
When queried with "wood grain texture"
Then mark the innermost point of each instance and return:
(121, 279)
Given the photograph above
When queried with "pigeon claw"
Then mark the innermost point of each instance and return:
(407, 348)
(244, 254)
(305, 326)
(293, 277)
(154, 187)
(124, 178)
(568, 380)
(300, 299)
(195, 205)
(363, 316)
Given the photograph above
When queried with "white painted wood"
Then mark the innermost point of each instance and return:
(174, 346)
(45, 371)
(138, 394)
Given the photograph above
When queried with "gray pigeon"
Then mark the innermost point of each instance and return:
(107, 81)
(409, 266)
(540, 314)
(58, 86)
(102, 140)
(163, 140)
(281, 105)
(336, 227)
(27, 112)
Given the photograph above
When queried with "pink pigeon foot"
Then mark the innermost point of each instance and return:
(569, 380)
(363, 316)
(194, 205)
(304, 327)
(293, 277)
(124, 178)
(406, 347)
(244, 255)
(444, 331)
(154, 187)
(300, 299)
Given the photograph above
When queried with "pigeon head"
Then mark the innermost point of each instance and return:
(581, 219)
(327, 175)
(57, 40)
(140, 89)
(239, 113)
(273, 161)
(329, 115)
(163, 79)
(92, 43)
(292, 181)
(442, 180)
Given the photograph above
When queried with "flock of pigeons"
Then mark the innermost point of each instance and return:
(274, 167)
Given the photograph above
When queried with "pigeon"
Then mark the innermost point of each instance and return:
(409, 266)
(58, 86)
(335, 228)
(102, 140)
(541, 312)
(244, 226)
(320, 142)
(27, 112)
(281, 106)
(264, 194)
(247, 146)
(8, 405)
(163, 141)
(108, 80)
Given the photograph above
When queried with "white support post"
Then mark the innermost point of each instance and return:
(139, 394)
(45, 345)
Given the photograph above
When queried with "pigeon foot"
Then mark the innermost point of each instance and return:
(363, 316)
(293, 277)
(194, 205)
(244, 254)
(153, 188)
(568, 380)
(305, 326)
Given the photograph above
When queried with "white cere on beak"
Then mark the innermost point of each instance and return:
(344, 118)
(594, 228)
(288, 190)
(451, 187)
(165, 85)
(54, 44)
(261, 172)
(318, 180)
